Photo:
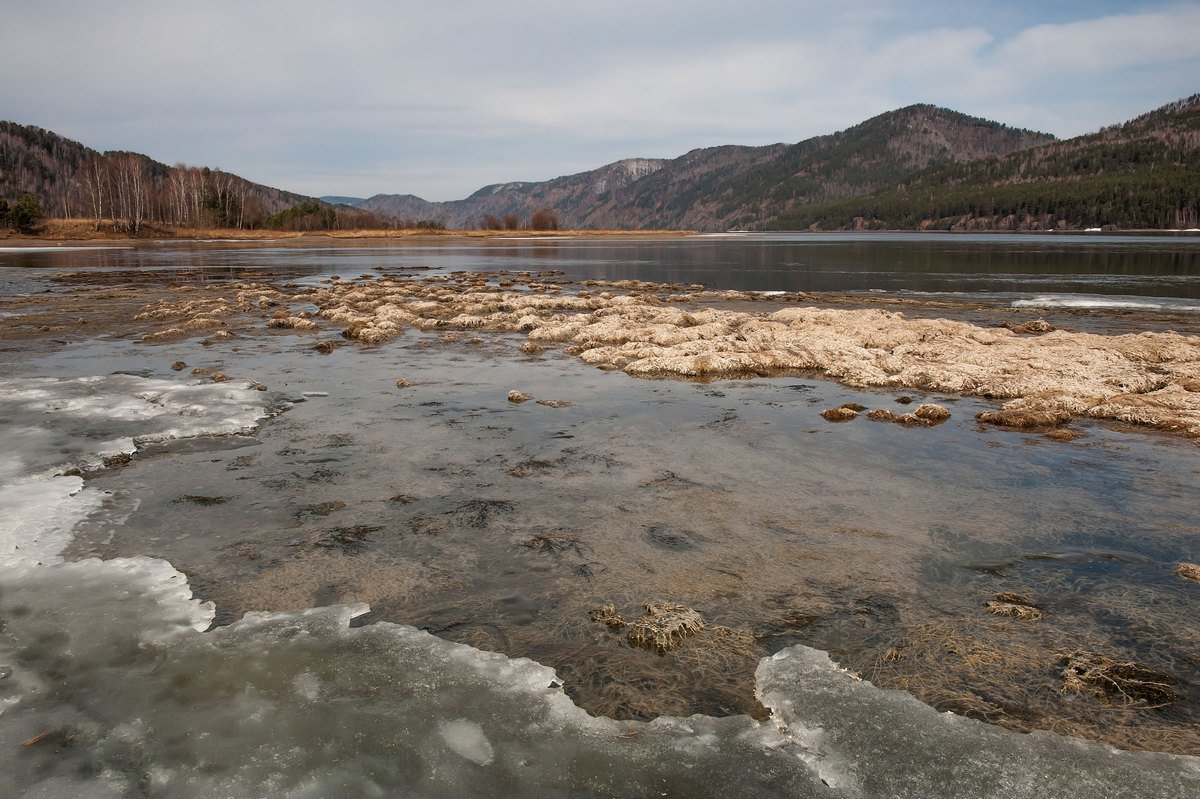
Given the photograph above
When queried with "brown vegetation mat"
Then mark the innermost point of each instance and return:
(670, 650)
(664, 626)
(995, 672)
(1147, 378)
(1124, 682)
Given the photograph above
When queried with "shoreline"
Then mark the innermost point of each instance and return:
(79, 234)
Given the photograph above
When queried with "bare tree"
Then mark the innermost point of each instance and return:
(95, 182)
(130, 192)
(543, 219)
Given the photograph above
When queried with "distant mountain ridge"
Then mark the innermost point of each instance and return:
(918, 167)
(716, 188)
(1144, 173)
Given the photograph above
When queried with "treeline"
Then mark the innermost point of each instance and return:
(128, 190)
(1161, 198)
(541, 219)
(311, 215)
(1143, 174)
(22, 216)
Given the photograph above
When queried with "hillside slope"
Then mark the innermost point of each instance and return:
(71, 180)
(716, 188)
(1144, 173)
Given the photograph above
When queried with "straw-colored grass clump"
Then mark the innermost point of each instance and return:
(1044, 376)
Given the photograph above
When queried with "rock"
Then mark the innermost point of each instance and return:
(1063, 435)
(220, 377)
(555, 403)
(838, 414)
(402, 383)
(1036, 327)
(324, 347)
(882, 415)
(530, 348)
(905, 400)
(853, 406)
(178, 366)
(518, 397)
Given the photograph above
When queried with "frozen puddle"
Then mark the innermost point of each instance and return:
(113, 690)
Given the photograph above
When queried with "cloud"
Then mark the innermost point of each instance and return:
(1104, 46)
(438, 99)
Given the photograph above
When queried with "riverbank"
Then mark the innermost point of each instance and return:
(68, 231)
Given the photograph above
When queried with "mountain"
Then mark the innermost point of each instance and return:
(1144, 173)
(916, 167)
(571, 197)
(716, 188)
(338, 200)
(130, 189)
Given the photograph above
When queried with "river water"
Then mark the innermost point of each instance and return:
(346, 515)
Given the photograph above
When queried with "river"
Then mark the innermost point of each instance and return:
(382, 557)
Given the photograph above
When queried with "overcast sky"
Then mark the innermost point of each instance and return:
(440, 98)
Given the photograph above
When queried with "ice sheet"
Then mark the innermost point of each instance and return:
(49, 427)
(134, 700)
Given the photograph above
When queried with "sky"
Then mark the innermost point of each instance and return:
(438, 99)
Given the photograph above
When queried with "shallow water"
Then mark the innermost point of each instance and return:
(1017, 266)
(445, 507)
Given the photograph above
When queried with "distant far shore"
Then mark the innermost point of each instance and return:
(76, 231)
(82, 230)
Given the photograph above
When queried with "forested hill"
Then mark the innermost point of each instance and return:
(716, 188)
(919, 167)
(130, 190)
(879, 152)
(1144, 173)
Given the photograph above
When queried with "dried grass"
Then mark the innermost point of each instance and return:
(1188, 571)
(1124, 682)
(664, 626)
(1045, 379)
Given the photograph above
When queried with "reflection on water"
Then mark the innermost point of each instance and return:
(938, 263)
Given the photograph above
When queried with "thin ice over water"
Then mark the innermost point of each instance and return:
(123, 695)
